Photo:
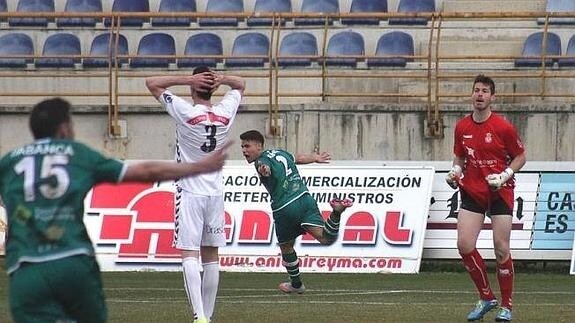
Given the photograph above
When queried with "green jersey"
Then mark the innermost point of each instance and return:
(43, 186)
(284, 184)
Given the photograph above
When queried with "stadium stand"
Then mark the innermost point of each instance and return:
(129, 6)
(16, 44)
(392, 43)
(60, 44)
(297, 43)
(345, 43)
(32, 6)
(175, 6)
(251, 43)
(3, 6)
(317, 6)
(411, 6)
(357, 6)
(200, 45)
(559, 6)
(101, 47)
(268, 6)
(568, 61)
(215, 6)
(155, 44)
(80, 6)
(533, 46)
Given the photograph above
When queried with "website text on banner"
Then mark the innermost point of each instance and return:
(383, 231)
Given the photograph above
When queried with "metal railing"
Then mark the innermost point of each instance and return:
(428, 67)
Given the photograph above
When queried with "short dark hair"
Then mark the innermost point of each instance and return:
(253, 135)
(207, 95)
(47, 116)
(485, 80)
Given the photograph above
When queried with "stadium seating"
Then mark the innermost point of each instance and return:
(175, 6)
(16, 44)
(80, 6)
(3, 8)
(392, 43)
(569, 61)
(60, 44)
(559, 6)
(199, 45)
(345, 43)
(215, 6)
(155, 44)
(251, 43)
(297, 43)
(269, 6)
(411, 6)
(129, 6)
(32, 6)
(101, 47)
(533, 46)
(358, 6)
(317, 6)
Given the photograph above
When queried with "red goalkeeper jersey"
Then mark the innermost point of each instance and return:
(487, 148)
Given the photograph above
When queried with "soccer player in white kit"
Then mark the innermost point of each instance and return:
(199, 205)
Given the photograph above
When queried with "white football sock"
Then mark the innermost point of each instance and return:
(193, 285)
(210, 282)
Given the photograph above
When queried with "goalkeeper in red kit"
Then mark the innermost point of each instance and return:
(488, 151)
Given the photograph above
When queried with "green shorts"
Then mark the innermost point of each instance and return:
(59, 290)
(289, 221)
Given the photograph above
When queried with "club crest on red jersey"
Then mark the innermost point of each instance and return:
(488, 138)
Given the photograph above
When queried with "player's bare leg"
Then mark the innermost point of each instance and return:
(505, 271)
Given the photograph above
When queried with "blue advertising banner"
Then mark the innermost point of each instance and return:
(554, 225)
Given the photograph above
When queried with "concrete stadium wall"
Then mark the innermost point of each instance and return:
(349, 132)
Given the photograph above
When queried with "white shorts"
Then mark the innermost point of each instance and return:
(199, 221)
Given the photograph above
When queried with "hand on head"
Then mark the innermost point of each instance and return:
(206, 81)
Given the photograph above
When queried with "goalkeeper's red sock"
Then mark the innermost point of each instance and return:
(505, 274)
(478, 271)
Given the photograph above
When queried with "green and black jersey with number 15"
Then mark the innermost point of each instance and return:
(285, 183)
(43, 186)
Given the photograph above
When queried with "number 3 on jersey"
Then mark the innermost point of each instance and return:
(53, 166)
(211, 137)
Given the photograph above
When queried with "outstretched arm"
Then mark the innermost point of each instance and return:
(153, 171)
(321, 158)
(158, 84)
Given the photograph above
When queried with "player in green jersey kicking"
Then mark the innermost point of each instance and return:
(53, 273)
(294, 209)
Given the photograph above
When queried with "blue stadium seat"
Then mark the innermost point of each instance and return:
(316, 6)
(269, 6)
(215, 6)
(175, 6)
(357, 6)
(392, 43)
(297, 43)
(101, 47)
(3, 8)
(80, 6)
(155, 44)
(16, 44)
(342, 44)
(32, 6)
(410, 6)
(249, 44)
(569, 61)
(533, 46)
(559, 6)
(201, 45)
(129, 6)
(60, 44)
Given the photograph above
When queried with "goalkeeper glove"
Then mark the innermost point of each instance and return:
(495, 181)
(455, 174)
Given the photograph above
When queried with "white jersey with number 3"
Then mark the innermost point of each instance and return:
(199, 131)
